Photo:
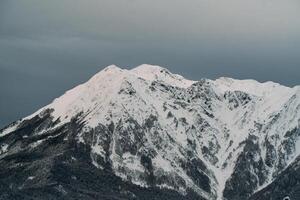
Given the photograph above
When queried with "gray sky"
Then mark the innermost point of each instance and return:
(49, 46)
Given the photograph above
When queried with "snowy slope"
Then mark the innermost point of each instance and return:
(202, 135)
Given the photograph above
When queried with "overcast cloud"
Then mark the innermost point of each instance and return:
(49, 46)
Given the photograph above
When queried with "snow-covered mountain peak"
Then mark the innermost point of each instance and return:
(147, 72)
(153, 72)
(105, 86)
(111, 68)
(251, 86)
(149, 68)
(155, 128)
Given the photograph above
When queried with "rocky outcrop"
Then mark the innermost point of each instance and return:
(149, 134)
(286, 185)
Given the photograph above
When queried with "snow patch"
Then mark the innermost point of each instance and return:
(153, 72)
(3, 148)
(9, 129)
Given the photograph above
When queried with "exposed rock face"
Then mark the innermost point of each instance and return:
(55, 166)
(149, 134)
(249, 173)
(285, 187)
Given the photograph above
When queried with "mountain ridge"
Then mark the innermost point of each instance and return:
(213, 131)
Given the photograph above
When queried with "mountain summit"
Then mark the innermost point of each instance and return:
(146, 133)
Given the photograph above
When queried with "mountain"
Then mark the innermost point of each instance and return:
(146, 133)
(285, 187)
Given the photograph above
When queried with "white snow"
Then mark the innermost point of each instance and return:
(37, 143)
(250, 86)
(116, 94)
(132, 162)
(153, 72)
(160, 162)
(297, 145)
(9, 129)
(31, 177)
(3, 148)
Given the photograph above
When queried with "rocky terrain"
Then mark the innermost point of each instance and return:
(146, 133)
